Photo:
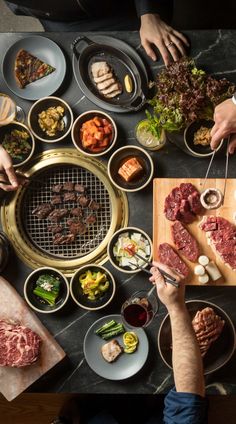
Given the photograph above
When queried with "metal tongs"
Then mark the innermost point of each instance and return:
(226, 168)
(168, 278)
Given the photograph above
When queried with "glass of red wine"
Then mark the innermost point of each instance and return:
(140, 309)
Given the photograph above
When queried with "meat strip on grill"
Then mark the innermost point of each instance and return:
(77, 228)
(84, 201)
(56, 200)
(57, 188)
(42, 211)
(79, 188)
(91, 219)
(93, 205)
(70, 197)
(57, 214)
(78, 212)
(54, 229)
(68, 186)
(60, 239)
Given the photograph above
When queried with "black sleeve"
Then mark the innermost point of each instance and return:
(147, 6)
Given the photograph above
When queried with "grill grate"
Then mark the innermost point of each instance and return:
(36, 193)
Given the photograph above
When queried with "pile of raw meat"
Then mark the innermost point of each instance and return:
(183, 204)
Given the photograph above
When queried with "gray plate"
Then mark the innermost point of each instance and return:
(47, 51)
(126, 364)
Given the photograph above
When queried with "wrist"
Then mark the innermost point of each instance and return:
(149, 16)
(177, 309)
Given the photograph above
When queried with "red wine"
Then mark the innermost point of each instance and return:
(136, 315)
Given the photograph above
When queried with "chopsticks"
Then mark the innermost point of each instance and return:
(20, 174)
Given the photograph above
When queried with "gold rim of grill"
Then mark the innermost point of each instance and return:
(29, 235)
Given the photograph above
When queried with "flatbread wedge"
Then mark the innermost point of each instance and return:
(29, 68)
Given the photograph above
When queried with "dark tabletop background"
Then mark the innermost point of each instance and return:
(215, 51)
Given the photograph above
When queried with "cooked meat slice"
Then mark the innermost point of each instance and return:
(57, 188)
(93, 205)
(57, 214)
(130, 169)
(113, 87)
(72, 220)
(79, 188)
(208, 327)
(61, 239)
(184, 241)
(169, 257)
(54, 229)
(68, 186)
(42, 211)
(76, 212)
(105, 84)
(111, 350)
(99, 69)
(70, 197)
(84, 201)
(103, 77)
(77, 228)
(113, 94)
(91, 219)
(56, 200)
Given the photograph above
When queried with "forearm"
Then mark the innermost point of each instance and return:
(186, 357)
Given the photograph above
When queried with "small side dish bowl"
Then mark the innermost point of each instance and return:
(198, 150)
(221, 350)
(43, 105)
(131, 158)
(100, 137)
(101, 295)
(117, 242)
(23, 140)
(36, 302)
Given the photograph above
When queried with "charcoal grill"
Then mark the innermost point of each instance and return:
(30, 236)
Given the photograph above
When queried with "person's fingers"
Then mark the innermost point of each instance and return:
(6, 187)
(217, 137)
(179, 45)
(180, 36)
(174, 52)
(164, 52)
(148, 49)
(232, 145)
(214, 129)
(12, 177)
(165, 268)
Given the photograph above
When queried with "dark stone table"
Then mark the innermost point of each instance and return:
(215, 51)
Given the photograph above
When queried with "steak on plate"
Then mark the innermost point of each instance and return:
(208, 327)
(183, 203)
(111, 350)
(184, 241)
(19, 345)
(221, 236)
(169, 257)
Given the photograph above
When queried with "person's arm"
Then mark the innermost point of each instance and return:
(7, 172)
(155, 32)
(186, 357)
(225, 124)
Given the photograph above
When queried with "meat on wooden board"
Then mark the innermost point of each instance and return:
(183, 203)
(184, 241)
(169, 257)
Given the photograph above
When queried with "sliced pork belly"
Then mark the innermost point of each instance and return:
(103, 77)
(99, 69)
(113, 94)
(105, 84)
(111, 89)
(111, 350)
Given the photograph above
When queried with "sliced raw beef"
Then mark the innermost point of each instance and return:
(184, 241)
(19, 345)
(183, 203)
(169, 257)
(208, 327)
(221, 235)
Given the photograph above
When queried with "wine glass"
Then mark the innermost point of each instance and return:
(140, 309)
(9, 111)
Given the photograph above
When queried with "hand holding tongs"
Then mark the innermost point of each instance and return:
(168, 278)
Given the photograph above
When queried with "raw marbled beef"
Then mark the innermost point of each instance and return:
(169, 257)
(184, 241)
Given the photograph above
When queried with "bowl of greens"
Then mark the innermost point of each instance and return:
(92, 287)
(18, 141)
(46, 290)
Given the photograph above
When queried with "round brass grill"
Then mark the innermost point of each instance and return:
(30, 236)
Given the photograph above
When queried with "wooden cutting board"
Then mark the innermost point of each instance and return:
(162, 226)
(15, 380)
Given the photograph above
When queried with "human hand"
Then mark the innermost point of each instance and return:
(169, 295)
(225, 124)
(170, 43)
(7, 172)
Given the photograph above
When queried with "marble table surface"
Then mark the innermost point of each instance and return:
(215, 51)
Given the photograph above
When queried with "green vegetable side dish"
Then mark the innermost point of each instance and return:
(94, 284)
(47, 288)
(16, 144)
(110, 329)
(184, 94)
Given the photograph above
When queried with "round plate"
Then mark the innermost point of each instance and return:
(47, 51)
(221, 350)
(126, 365)
(123, 47)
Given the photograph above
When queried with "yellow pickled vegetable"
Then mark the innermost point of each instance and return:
(93, 284)
(128, 83)
(130, 340)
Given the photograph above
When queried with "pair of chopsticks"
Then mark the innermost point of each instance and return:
(168, 278)
(20, 174)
